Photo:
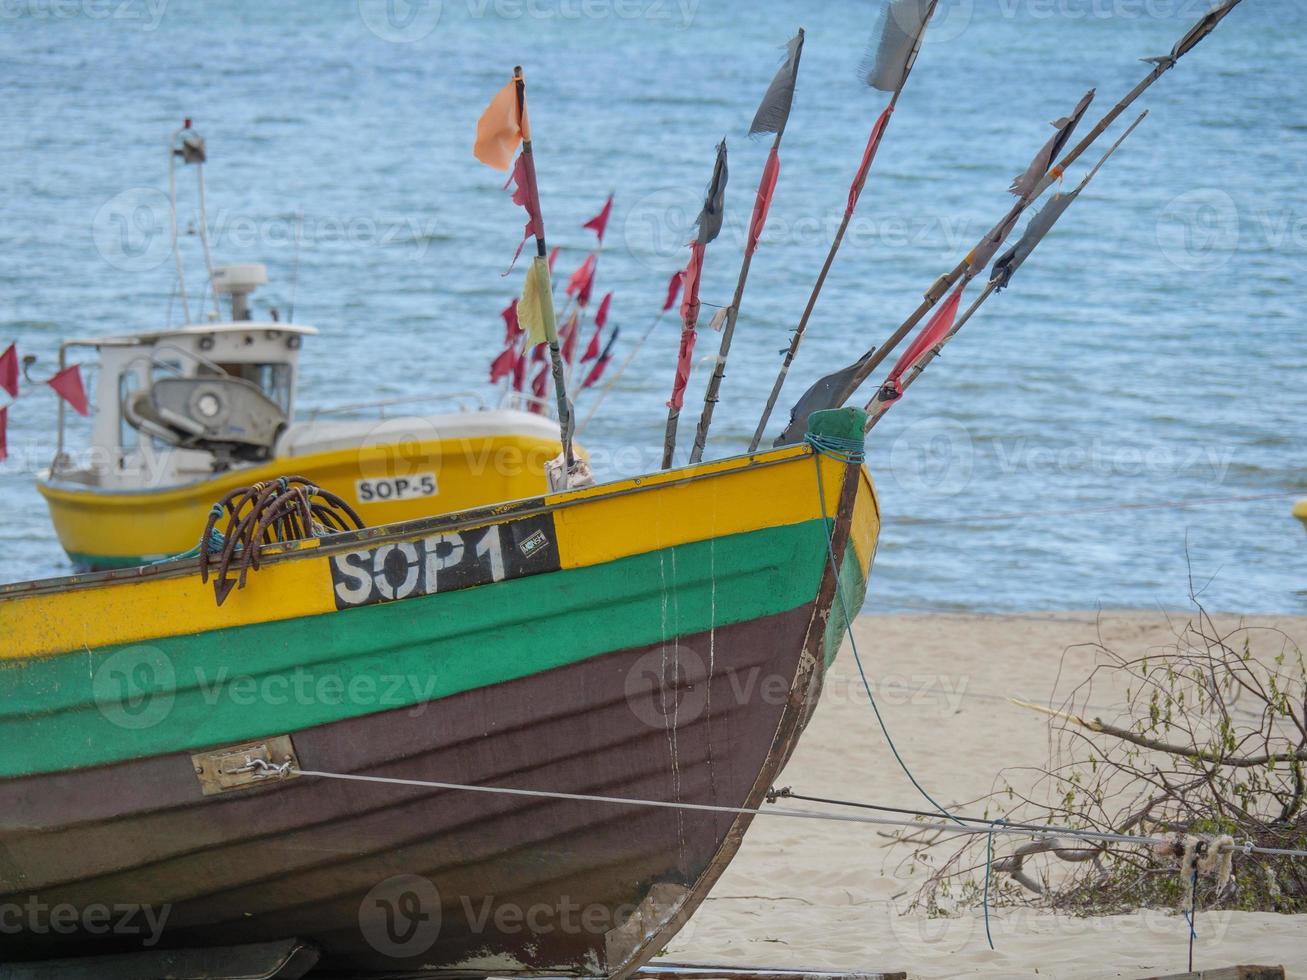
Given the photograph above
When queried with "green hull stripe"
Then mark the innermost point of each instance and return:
(228, 686)
(104, 563)
(853, 590)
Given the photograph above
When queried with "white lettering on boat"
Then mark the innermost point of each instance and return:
(444, 562)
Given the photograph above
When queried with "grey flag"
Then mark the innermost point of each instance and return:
(714, 200)
(894, 45)
(993, 241)
(1196, 33)
(832, 391)
(774, 110)
(1048, 153)
(1038, 227)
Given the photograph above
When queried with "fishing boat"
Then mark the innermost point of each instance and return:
(183, 414)
(660, 639)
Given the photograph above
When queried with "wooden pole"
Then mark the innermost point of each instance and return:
(542, 253)
(877, 407)
(861, 181)
(733, 311)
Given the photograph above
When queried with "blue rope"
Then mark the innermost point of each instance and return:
(852, 451)
(215, 542)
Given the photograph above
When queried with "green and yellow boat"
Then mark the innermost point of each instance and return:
(291, 765)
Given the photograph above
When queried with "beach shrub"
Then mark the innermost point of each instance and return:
(1202, 742)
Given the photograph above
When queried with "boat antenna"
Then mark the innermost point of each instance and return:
(295, 271)
(172, 216)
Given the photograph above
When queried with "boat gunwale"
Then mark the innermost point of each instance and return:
(346, 541)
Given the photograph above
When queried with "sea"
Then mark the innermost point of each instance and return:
(1122, 427)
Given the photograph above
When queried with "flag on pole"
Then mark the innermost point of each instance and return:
(1039, 226)
(1196, 33)
(512, 329)
(1048, 153)
(860, 178)
(689, 319)
(673, 289)
(709, 221)
(931, 334)
(774, 110)
(68, 384)
(505, 364)
(535, 311)
(501, 129)
(567, 336)
(582, 281)
(762, 204)
(894, 48)
(527, 195)
(9, 370)
(599, 223)
(601, 317)
(597, 371)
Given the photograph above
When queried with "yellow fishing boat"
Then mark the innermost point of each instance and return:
(182, 415)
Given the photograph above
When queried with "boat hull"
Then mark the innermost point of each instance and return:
(671, 649)
(389, 476)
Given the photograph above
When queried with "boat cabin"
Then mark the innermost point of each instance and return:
(177, 405)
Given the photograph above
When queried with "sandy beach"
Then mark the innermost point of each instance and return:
(825, 895)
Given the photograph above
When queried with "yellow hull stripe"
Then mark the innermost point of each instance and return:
(469, 473)
(595, 525)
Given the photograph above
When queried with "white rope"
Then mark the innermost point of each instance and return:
(988, 826)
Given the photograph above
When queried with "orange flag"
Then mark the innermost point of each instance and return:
(501, 128)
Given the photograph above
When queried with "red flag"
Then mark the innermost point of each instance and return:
(583, 280)
(519, 371)
(538, 353)
(592, 348)
(553, 257)
(599, 222)
(538, 388)
(602, 316)
(597, 371)
(9, 371)
(855, 189)
(568, 336)
(931, 334)
(690, 300)
(527, 195)
(504, 364)
(766, 187)
(68, 383)
(512, 330)
(673, 289)
(683, 360)
(4, 446)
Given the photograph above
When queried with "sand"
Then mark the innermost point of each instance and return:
(827, 895)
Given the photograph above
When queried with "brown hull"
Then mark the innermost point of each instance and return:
(569, 886)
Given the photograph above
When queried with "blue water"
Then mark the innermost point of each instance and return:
(1151, 352)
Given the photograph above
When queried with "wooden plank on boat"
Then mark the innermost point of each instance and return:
(1228, 973)
(286, 959)
(673, 971)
